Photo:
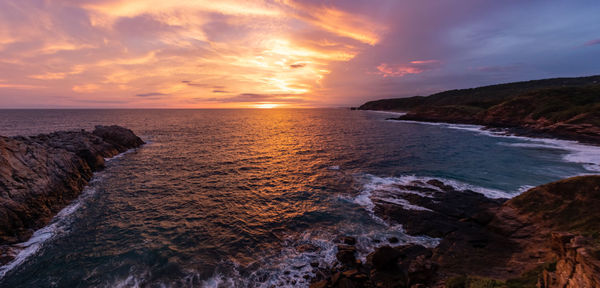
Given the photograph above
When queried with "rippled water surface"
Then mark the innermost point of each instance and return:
(228, 198)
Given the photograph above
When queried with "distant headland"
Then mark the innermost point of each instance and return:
(566, 108)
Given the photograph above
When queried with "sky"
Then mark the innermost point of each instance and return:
(281, 53)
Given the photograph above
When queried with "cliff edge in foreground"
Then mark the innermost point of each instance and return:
(40, 175)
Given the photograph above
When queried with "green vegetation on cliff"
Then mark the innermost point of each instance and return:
(481, 97)
(562, 107)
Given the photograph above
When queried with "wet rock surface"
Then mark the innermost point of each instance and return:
(40, 175)
(482, 237)
(402, 266)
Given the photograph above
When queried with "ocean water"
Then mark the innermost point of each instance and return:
(233, 198)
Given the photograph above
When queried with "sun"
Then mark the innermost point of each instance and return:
(266, 105)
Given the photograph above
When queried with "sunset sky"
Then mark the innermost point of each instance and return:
(281, 53)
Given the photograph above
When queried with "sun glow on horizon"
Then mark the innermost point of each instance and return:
(150, 53)
(267, 105)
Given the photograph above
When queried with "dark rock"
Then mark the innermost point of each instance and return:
(347, 283)
(348, 240)
(393, 240)
(489, 238)
(122, 138)
(320, 284)
(307, 248)
(336, 277)
(40, 175)
(441, 185)
(384, 258)
(346, 255)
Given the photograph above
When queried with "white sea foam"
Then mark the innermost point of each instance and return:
(575, 152)
(119, 155)
(386, 189)
(218, 281)
(394, 113)
(59, 225)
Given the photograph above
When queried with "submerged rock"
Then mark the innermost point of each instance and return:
(40, 175)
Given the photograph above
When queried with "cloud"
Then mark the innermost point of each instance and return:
(253, 97)
(592, 42)
(304, 50)
(413, 67)
(151, 94)
(338, 21)
(86, 88)
(19, 86)
(297, 65)
(203, 85)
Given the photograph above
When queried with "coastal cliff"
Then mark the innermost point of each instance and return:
(546, 237)
(40, 175)
(567, 108)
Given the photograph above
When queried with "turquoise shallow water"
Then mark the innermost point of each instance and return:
(226, 197)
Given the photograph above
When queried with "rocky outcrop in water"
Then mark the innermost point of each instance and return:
(546, 237)
(40, 175)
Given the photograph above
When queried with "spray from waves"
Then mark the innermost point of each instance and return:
(298, 258)
(301, 256)
(304, 254)
(586, 155)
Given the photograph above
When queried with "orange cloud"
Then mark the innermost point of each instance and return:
(413, 67)
(338, 22)
(125, 48)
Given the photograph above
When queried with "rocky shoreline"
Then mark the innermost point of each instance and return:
(546, 237)
(565, 108)
(40, 175)
(584, 133)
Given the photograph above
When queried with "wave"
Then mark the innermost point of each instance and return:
(302, 255)
(387, 112)
(575, 152)
(59, 225)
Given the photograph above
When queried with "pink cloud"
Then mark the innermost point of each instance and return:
(592, 42)
(412, 67)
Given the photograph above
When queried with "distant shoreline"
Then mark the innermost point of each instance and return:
(563, 108)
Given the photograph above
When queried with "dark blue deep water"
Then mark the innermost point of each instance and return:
(227, 198)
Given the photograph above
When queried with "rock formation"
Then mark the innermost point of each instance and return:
(566, 108)
(547, 237)
(40, 175)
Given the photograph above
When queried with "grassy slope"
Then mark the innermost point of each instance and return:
(572, 105)
(481, 97)
(566, 108)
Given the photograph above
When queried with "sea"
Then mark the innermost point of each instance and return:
(233, 197)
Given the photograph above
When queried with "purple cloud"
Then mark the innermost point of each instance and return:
(592, 42)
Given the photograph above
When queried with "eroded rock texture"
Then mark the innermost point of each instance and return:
(40, 175)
